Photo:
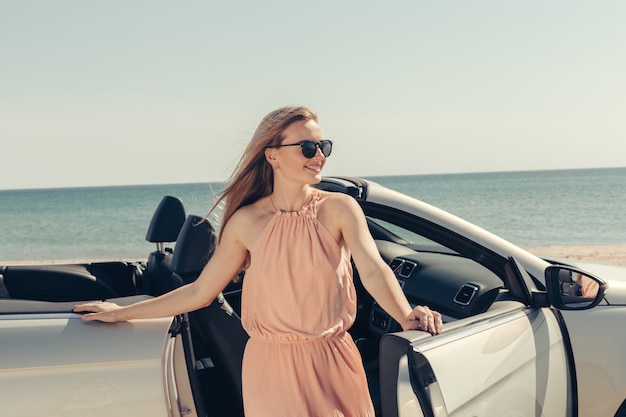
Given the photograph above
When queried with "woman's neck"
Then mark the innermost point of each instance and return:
(285, 199)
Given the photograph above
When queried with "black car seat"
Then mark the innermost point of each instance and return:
(194, 247)
(165, 225)
(59, 283)
(217, 327)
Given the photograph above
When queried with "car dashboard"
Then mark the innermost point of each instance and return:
(455, 286)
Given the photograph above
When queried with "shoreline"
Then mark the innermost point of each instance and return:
(608, 254)
(41, 262)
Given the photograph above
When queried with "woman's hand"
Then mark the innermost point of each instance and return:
(423, 318)
(101, 311)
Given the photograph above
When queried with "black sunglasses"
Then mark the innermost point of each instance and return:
(309, 147)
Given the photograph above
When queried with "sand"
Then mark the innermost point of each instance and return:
(609, 254)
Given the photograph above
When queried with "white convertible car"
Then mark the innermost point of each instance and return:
(522, 336)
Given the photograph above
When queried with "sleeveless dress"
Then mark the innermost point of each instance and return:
(298, 300)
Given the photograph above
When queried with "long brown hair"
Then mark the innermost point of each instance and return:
(253, 177)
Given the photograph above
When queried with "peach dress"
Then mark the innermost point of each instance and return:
(298, 301)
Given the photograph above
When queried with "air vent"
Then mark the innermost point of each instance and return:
(466, 294)
(395, 264)
(407, 268)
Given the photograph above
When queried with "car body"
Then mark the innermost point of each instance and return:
(521, 336)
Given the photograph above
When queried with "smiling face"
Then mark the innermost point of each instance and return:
(290, 162)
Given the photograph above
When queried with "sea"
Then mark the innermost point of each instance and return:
(528, 208)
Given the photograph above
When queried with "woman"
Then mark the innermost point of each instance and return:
(298, 298)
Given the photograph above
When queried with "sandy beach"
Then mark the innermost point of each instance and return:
(609, 254)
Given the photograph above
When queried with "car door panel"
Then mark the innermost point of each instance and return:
(77, 367)
(600, 382)
(511, 364)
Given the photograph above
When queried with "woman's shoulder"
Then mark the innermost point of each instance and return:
(247, 222)
(336, 201)
(252, 213)
(338, 209)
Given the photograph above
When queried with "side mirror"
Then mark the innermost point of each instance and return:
(572, 289)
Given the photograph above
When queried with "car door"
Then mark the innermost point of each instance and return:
(509, 361)
(54, 364)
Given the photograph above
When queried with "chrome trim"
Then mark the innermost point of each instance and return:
(170, 381)
(40, 316)
(474, 289)
(471, 329)
(404, 263)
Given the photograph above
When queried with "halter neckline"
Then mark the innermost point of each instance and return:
(310, 200)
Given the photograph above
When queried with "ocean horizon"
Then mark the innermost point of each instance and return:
(528, 208)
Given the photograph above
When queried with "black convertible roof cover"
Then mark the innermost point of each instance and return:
(354, 187)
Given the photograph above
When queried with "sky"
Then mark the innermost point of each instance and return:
(151, 92)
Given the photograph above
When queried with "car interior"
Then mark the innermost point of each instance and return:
(445, 272)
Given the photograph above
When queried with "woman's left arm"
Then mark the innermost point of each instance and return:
(376, 276)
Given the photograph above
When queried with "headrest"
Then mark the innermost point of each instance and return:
(194, 247)
(166, 220)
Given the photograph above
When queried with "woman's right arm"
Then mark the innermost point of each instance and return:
(225, 263)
